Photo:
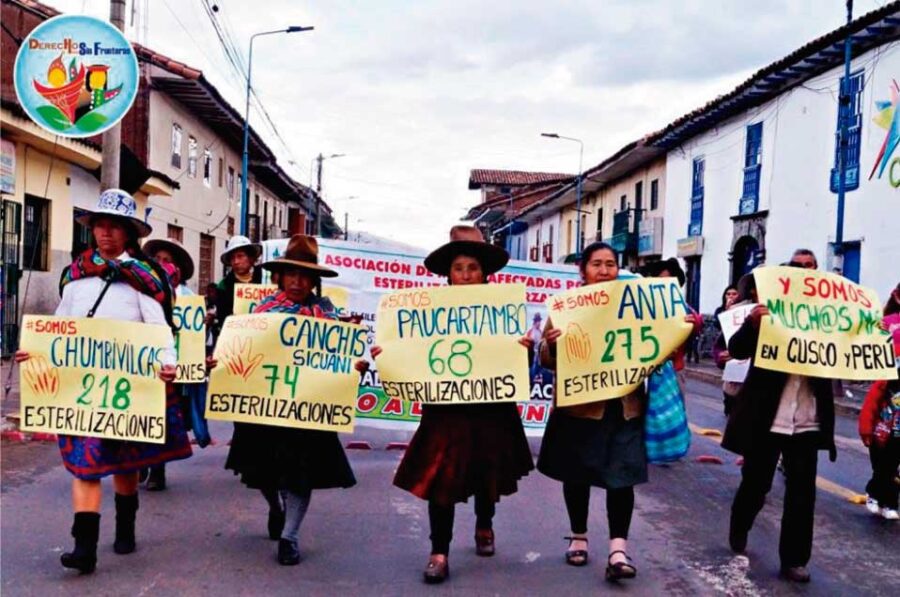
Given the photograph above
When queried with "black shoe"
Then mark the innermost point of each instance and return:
(288, 554)
(276, 523)
(436, 572)
(86, 530)
(126, 512)
(737, 539)
(795, 574)
(156, 481)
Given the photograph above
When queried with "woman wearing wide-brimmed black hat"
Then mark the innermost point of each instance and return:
(284, 459)
(461, 451)
(113, 279)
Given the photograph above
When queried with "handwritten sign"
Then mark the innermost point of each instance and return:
(248, 296)
(821, 325)
(454, 344)
(94, 378)
(189, 316)
(732, 319)
(286, 370)
(614, 335)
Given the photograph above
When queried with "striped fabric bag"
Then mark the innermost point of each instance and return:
(666, 431)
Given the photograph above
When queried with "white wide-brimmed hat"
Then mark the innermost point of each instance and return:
(240, 242)
(116, 203)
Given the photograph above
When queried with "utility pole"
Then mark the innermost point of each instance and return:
(319, 160)
(346, 219)
(844, 114)
(112, 139)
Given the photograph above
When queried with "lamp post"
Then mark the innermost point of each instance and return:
(347, 213)
(844, 115)
(321, 158)
(245, 158)
(578, 239)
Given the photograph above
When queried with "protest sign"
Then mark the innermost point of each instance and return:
(454, 345)
(189, 316)
(614, 335)
(89, 378)
(822, 325)
(732, 319)
(286, 370)
(248, 296)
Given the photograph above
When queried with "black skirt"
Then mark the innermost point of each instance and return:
(269, 457)
(464, 450)
(607, 452)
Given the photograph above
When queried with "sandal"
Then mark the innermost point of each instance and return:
(576, 557)
(620, 570)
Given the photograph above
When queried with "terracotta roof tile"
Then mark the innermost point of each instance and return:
(477, 178)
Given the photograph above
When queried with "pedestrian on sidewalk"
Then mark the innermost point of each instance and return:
(879, 429)
(778, 414)
(113, 279)
(177, 261)
(286, 460)
(464, 450)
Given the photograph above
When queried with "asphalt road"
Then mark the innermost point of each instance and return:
(207, 534)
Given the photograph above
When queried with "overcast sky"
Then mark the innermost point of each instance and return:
(418, 93)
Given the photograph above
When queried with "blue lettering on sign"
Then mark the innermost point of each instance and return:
(652, 301)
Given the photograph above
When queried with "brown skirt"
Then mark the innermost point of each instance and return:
(462, 450)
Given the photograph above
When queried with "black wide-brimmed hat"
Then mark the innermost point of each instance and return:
(302, 253)
(467, 240)
(182, 258)
(670, 265)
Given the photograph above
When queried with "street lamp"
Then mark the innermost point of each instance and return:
(347, 213)
(245, 185)
(321, 158)
(578, 239)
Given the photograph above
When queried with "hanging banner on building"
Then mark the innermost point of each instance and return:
(189, 316)
(821, 325)
(89, 378)
(614, 335)
(286, 370)
(76, 76)
(454, 345)
(369, 270)
(248, 296)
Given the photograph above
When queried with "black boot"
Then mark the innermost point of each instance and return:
(126, 510)
(157, 478)
(86, 530)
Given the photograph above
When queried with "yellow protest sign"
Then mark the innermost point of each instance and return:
(339, 297)
(94, 378)
(248, 296)
(189, 316)
(822, 325)
(286, 370)
(454, 344)
(614, 335)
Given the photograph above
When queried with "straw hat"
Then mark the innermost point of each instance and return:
(118, 204)
(302, 252)
(466, 240)
(182, 258)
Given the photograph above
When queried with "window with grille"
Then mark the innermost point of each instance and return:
(695, 228)
(175, 232)
(207, 167)
(192, 157)
(229, 182)
(752, 164)
(654, 194)
(176, 145)
(36, 246)
(853, 112)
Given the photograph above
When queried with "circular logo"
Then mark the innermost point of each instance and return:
(76, 76)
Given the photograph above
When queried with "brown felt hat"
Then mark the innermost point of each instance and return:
(466, 240)
(303, 253)
(182, 258)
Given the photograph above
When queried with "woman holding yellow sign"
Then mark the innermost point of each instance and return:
(461, 451)
(115, 280)
(292, 461)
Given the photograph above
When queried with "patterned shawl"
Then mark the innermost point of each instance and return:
(140, 275)
(314, 306)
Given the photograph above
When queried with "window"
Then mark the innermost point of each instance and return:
(230, 226)
(583, 227)
(569, 236)
(229, 182)
(639, 196)
(599, 224)
(207, 167)
(752, 162)
(81, 234)
(853, 113)
(192, 157)
(221, 172)
(695, 228)
(36, 246)
(654, 194)
(176, 145)
(548, 254)
(623, 203)
(175, 232)
(205, 269)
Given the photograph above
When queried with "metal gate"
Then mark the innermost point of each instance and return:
(10, 237)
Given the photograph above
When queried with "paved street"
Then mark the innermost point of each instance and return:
(206, 534)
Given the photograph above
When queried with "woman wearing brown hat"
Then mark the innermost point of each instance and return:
(461, 451)
(292, 461)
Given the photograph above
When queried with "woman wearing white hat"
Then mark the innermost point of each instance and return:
(114, 279)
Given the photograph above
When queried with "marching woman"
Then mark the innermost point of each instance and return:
(115, 280)
(460, 451)
(600, 444)
(178, 264)
(292, 461)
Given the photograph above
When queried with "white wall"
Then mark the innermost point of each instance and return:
(798, 154)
